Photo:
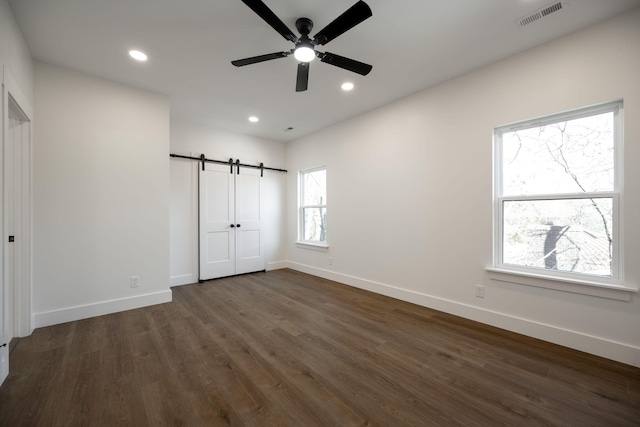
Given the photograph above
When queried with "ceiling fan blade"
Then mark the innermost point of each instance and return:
(261, 58)
(343, 23)
(302, 81)
(270, 18)
(346, 63)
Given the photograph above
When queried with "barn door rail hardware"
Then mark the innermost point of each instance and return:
(229, 162)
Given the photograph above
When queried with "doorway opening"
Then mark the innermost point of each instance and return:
(15, 220)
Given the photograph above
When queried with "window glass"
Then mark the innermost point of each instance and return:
(314, 224)
(565, 235)
(564, 157)
(315, 188)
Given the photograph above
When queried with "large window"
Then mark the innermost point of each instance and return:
(313, 206)
(557, 187)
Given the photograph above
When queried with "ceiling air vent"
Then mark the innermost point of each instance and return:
(541, 13)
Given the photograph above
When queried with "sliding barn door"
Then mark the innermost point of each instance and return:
(217, 215)
(249, 233)
(231, 235)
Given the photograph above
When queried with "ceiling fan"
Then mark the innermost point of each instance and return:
(304, 50)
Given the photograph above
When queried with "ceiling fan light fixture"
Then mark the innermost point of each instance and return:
(304, 53)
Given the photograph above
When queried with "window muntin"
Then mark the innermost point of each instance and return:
(557, 193)
(313, 206)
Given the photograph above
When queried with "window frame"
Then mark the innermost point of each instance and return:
(311, 244)
(546, 277)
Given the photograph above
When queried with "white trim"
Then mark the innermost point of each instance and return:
(276, 265)
(183, 279)
(617, 291)
(16, 93)
(578, 113)
(618, 202)
(80, 312)
(22, 302)
(323, 247)
(609, 349)
(560, 196)
(313, 169)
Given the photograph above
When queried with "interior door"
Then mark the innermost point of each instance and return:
(249, 234)
(217, 221)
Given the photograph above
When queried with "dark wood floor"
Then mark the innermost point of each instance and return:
(283, 348)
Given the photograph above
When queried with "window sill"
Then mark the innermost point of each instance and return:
(323, 247)
(616, 291)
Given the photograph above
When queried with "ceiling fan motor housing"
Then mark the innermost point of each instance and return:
(304, 26)
(304, 51)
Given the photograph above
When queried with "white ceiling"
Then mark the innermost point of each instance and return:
(412, 45)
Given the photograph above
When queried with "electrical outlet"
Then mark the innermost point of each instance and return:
(135, 281)
(480, 291)
(330, 260)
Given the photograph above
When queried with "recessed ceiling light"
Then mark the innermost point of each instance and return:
(137, 55)
(254, 119)
(347, 86)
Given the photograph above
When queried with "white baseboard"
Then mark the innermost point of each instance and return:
(619, 352)
(71, 314)
(189, 279)
(183, 279)
(277, 265)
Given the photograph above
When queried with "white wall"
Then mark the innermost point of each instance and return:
(14, 53)
(410, 190)
(101, 196)
(192, 140)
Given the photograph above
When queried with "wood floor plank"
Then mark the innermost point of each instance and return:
(238, 386)
(257, 354)
(283, 348)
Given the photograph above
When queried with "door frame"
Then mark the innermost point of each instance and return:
(22, 321)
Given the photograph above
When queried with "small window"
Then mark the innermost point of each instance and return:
(558, 194)
(313, 206)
